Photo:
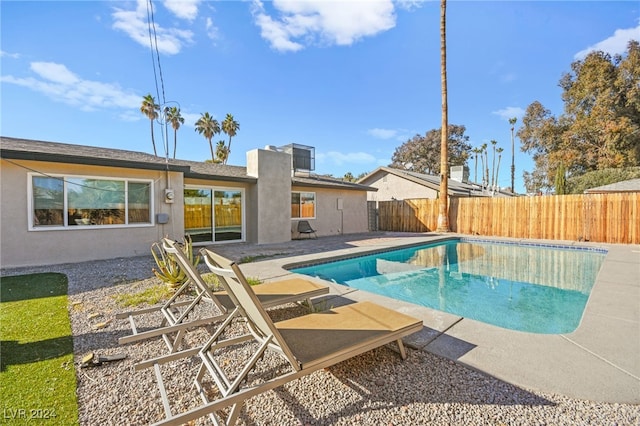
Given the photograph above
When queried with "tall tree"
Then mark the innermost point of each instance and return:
(208, 127)
(540, 135)
(421, 154)
(493, 165)
(230, 127)
(476, 151)
(485, 165)
(499, 151)
(600, 125)
(174, 117)
(443, 206)
(150, 109)
(512, 122)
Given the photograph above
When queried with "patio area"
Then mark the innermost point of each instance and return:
(599, 361)
(459, 371)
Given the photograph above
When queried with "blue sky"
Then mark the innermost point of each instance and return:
(354, 79)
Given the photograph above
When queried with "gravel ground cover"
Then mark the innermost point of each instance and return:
(376, 388)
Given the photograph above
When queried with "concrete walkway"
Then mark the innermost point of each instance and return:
(600, 361)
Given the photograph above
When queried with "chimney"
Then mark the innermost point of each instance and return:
(460, 174)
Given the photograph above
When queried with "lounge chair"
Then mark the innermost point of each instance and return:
(307, 343)
(178, 314)
(305, 228)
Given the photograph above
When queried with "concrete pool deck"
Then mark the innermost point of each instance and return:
(600, 361)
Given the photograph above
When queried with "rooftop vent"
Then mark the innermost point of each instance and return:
(303, 157)
(460, 173)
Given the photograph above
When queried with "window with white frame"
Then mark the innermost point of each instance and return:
(303, 205)
(73, 201)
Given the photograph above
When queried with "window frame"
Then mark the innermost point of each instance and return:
(243, 215)
(65, 209)
(315, 205)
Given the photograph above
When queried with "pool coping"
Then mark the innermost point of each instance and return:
(598, 361)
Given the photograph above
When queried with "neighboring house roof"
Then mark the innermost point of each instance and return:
(631, 185)
(26, 149)
(327, 182)
(455, 188)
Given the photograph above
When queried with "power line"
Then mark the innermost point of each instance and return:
(153, 45)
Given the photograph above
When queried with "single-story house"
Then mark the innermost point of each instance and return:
(396, 184)
(70, 203)
(631, 185)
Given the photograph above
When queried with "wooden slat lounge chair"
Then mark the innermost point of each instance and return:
(307, 343)
(305, 228)
(178, 314)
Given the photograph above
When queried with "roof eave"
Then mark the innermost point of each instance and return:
(89, 161)
(226, 178)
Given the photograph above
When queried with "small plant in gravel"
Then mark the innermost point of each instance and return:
(254, 281)
(214, 283)
(151, 296)
(168, 269)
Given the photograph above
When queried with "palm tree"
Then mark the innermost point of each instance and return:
(150, 109)
(221, 152)
(443, 213)
(485, 170)
(174, 117)
(230, 127)
(512, 121)
(499, 151)
(476, 151)
(208, 127)
(493, 164)
(486, 164)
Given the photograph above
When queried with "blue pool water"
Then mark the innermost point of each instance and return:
(533, 288)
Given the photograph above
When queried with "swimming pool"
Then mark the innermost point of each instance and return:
(526, 287)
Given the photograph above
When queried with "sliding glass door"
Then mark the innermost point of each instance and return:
(214, 214)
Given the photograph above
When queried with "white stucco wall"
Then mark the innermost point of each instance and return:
(20, 246)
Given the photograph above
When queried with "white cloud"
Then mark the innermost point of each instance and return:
(401, 135)
(134, 24)
(382, 133)
(184, 9)
(211, 29)
(60, 84)
(410, 4)
(616, 44)
(190, 118)
(509, 112)
(56, 73)
(301, 23)
(4, 54)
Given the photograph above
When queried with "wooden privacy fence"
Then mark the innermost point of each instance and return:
(199, 216)
(608, 218)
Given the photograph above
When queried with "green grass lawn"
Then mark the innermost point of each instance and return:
(37, 377)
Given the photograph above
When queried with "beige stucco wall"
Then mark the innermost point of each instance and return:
(395, 187)
(21, 247)
(331, 221)
(267, 211)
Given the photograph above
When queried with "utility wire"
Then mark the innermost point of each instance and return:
(153, 45)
